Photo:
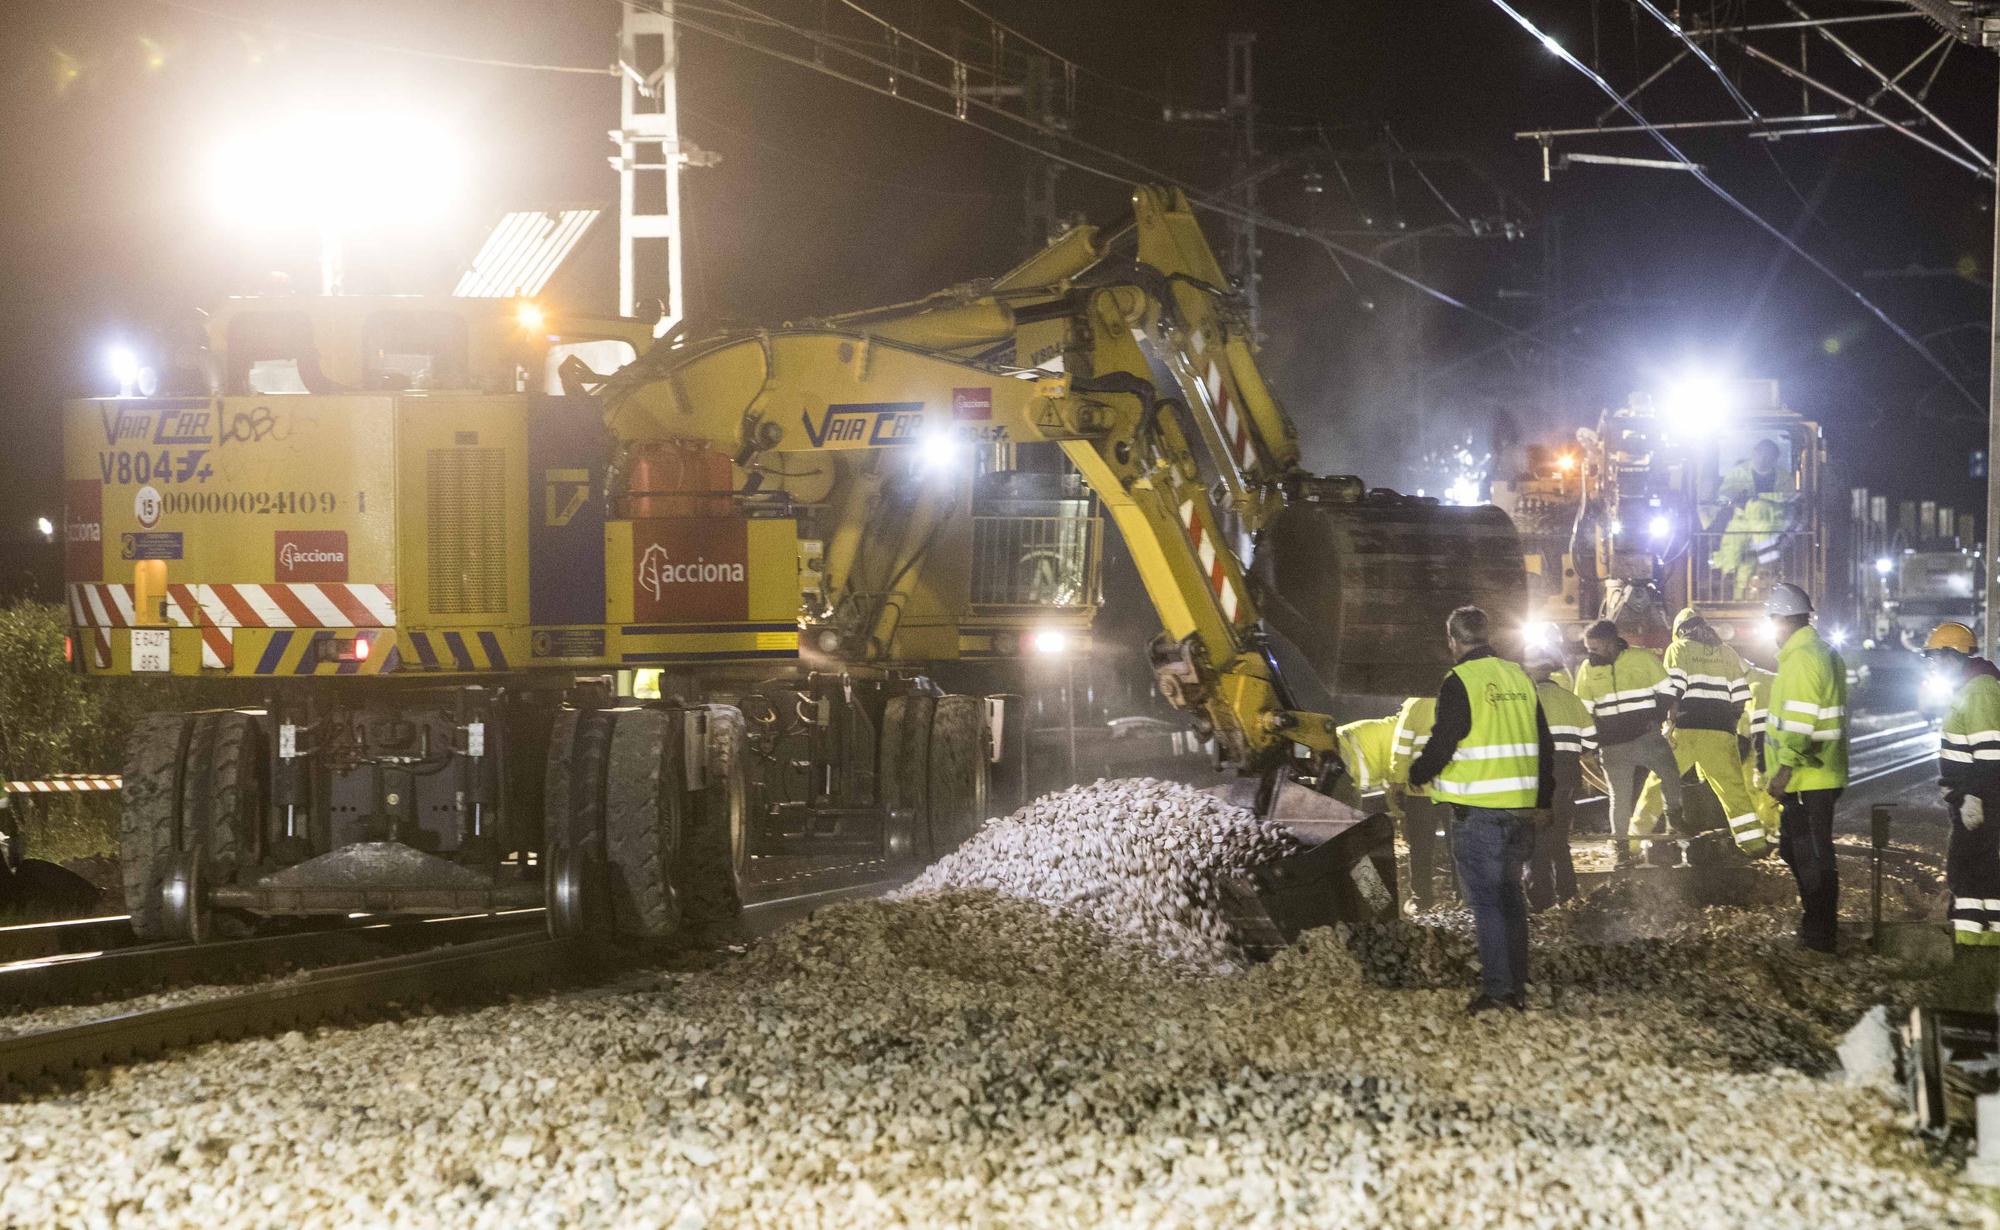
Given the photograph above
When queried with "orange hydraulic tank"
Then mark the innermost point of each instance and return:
(675, 478)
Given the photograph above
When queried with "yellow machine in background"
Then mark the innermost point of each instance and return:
(1706, 498)
(532, 616)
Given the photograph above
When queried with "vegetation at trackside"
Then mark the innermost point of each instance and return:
(53, 720)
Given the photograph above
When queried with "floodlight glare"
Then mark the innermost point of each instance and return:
(1050, 641)
(1696, 404)
(124, 367)
(939, 449)
(1463, 491)
(335, 170)
(46, 528)
(1660, 526)
(1884, 566)
(529, 316)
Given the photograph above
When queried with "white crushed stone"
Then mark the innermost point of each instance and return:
(1139, 858)
(970, 1056)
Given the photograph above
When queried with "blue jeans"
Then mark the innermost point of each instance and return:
(1490, 848)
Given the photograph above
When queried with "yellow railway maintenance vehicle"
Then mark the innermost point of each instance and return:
(532, 616)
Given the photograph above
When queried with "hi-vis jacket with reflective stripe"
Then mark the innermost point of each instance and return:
(1969, 751)
(1625, 696)
(1365, 747)
(1569, 721)
(1413, 732)
(1708, 684)
(1751, 724)
(1806, 730)
(1498, 763)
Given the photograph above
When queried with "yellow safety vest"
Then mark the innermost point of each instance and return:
(1498, 763)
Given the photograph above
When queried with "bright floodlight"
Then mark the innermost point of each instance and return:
(1836, 637)
(1884, 566)
(1660, 526)
(1463, 491)
(1936, 690)
(529, 316)
(1539, 635)
(335, 170)
(939, 449)
(1696, 404)
(1050, 641)
(124, 367)
(45, 527)
(1617, 527)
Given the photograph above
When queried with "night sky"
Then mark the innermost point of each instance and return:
(828, 197)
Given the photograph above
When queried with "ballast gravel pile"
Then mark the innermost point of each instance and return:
(1140, 858)
(971, 1056)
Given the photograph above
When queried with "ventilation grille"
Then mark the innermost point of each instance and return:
(468, 531)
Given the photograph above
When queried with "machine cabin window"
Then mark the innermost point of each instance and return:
(274, 353)
(409, 350)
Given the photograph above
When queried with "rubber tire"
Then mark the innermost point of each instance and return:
(713, 861)
(147, 812)
(642, 823)
(573, 802)
(238, 797)
(958, 768)
(903, 767)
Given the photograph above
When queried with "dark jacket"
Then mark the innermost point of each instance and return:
(1454, 722)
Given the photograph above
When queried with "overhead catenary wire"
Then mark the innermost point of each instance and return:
(1138, 172)
(1562, 53)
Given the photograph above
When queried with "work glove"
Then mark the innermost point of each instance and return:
(1971, 813)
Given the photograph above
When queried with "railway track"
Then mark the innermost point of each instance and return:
(27, 941)
(81, 978)
(473, 967)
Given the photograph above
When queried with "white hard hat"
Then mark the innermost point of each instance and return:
(1788, 599)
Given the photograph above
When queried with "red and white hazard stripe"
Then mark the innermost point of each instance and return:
(298, 605)
(1213, 563)
(74, 783)
(1235, 428)
(100, 606)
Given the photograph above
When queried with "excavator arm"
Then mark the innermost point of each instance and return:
(781, 397)
(1126, 351)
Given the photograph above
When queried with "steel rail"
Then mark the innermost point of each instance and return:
(26, 941)
(457, 971)
(471, 970)
(81, 978)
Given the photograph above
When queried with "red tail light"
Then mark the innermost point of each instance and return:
(69, 648)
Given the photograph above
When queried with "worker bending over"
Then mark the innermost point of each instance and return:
(1551, 874)
(1625, 690)
(1805, 745)
(1710, 687)
(1969, 776)
(1490, 756)
(1378, 753)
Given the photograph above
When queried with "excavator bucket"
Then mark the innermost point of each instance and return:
(1345, 873)
(1356, 592)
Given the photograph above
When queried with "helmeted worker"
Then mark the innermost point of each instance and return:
(1756, 476)
(1754, 498)
(1491, 757)
(1750, 742)
(1625, 690)
(1551, 874)
(1805, 756)
(1969, 777)
(1422, 818)
(1711, 688)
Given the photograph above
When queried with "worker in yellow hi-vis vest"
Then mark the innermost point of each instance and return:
(1491, 757)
